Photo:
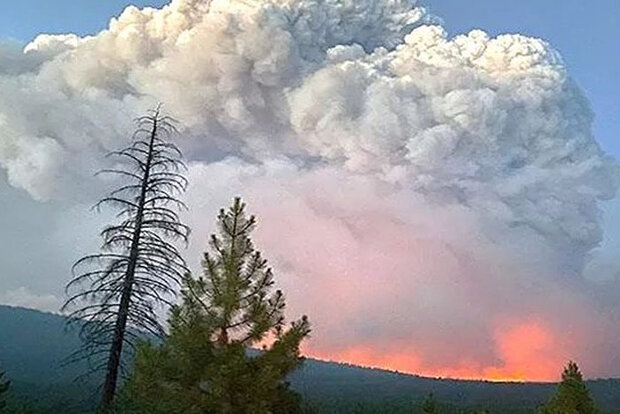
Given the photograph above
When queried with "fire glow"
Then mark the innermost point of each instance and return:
(526, 353)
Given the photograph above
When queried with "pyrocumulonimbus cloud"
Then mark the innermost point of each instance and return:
(429, 201)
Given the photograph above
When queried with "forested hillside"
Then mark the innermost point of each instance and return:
(33, 345)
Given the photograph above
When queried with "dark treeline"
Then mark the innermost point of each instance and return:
(33, 345)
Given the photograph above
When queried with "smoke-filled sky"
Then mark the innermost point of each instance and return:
(431, 198)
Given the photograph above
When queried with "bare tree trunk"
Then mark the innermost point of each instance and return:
(114, 360)
(113, 293)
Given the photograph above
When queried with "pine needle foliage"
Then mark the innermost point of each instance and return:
(113, 295)
(4, 388)
(429, 405)
(572, 396)
(206, 364)
(234, 291)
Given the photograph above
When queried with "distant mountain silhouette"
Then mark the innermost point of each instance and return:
(34, 344)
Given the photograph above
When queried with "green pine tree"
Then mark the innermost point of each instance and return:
(206, 364)
(572, 396)
(429, 405)
(4, 387)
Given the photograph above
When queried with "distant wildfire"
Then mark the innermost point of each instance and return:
(527, 352)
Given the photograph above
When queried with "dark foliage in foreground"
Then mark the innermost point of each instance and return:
(572, 396)
(429, 405)
(203, 365)
(4, 388)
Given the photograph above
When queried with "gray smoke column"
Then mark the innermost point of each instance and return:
(430, 201)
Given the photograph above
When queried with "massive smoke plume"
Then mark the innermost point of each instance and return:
(430, 201)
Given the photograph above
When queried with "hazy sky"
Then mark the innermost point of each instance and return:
(413, 187)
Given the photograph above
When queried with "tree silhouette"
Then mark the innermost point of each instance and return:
(429, 405)
(113, 294)
(4, 387)
(572, 396)
(205, 365)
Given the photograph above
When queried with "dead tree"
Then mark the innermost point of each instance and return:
(113, 295)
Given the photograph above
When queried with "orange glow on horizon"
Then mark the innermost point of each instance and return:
(526, 351)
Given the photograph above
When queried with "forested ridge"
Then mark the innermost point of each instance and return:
(34, 344)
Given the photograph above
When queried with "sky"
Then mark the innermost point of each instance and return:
(414, 186)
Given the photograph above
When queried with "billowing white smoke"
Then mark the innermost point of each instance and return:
(436, 195)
